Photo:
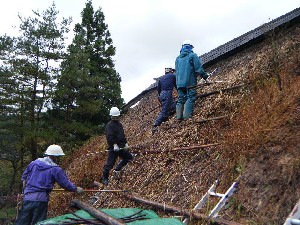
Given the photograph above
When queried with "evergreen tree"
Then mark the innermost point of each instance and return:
(89, 84)
(10, 128)
(29, 68)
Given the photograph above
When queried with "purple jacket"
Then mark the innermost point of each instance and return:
(40, 176)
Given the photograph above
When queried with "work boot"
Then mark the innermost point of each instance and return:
(117, 174)
(154, 129)
(104, 181)
(179, 111)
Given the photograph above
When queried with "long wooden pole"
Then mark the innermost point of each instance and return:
(183, 212)
(210, 119)
(200, 85)
(92, 190)
(176, 149)
(105, 218)
(220, 91)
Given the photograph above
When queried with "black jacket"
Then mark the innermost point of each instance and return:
(115, 134)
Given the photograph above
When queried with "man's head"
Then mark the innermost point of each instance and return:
(169, 70)
(187, 42)
(54, 152)
(114, 113)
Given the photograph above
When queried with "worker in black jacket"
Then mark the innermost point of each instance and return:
(117, 146)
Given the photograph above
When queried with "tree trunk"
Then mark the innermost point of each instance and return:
(14, 164)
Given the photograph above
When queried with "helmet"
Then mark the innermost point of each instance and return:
(187, 42)
(54, 150)
(114, 111)
(169, 69)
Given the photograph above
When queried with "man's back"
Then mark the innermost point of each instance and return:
(40, 176)
(115, 134)
(185, 68)
(167, 82)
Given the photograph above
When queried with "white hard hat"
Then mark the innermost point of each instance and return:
(54, 150)
(114, 111)
(187, 42)
(169, 69)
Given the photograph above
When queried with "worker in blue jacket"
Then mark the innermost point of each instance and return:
(38, 180)
(188, 66)
(165, 86)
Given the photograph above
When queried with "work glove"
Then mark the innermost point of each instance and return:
(79, 190)
(126, 146)
(116, 148)
(205, 76)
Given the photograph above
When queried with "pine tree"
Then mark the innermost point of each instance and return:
(30, 65)
(10, 127)
(89, 85)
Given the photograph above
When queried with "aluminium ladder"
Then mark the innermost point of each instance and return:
(220, 204)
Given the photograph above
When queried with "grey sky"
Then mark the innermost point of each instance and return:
(148, 33)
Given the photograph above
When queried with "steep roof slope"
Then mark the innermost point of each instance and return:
(258, 140)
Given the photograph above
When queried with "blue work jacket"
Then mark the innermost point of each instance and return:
(166, 82)
(188, 65)
(40, 176)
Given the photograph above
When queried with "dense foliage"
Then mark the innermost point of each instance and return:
(50, 93)
(28, 74)
(89, 85)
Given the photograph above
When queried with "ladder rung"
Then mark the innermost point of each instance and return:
(216, 194)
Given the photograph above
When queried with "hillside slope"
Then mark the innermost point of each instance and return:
(258, 141)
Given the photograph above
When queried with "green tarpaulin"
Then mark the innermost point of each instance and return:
(140, 217)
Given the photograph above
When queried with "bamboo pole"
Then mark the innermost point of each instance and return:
(181, 211)
(91, 190)
(105, 218)
(219, 91)
(200, 85)
(176, 149)
(210, 119)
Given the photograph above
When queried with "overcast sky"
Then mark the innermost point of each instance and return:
(148, 34)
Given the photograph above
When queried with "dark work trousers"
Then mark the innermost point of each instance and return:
(125, 156)
(32, 212)
(167, 106)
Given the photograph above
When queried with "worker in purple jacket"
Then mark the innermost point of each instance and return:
(38, 180)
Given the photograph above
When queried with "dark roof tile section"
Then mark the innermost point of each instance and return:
(248, 38)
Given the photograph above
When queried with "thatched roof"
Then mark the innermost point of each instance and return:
(258, 140)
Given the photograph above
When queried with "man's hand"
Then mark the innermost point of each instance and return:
(206, 76)
(126, 146)
(116, 148)
(204, 79)
(79, 190)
